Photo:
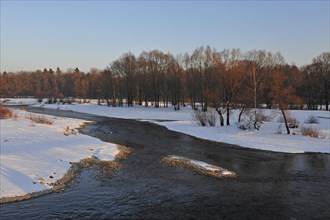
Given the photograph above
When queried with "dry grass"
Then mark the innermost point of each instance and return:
(312, 132)
(168, 161)
(123, 152)
(6, 113)
(67, 131)
(40, 119)
(312, 120)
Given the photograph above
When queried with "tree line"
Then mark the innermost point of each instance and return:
(210, 78)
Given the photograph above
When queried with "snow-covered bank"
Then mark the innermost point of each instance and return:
(271, 135)
(34, 156)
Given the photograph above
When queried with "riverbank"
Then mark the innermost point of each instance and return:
(42, 154)
(271, 136)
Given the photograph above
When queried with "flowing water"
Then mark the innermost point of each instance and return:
(270, 185)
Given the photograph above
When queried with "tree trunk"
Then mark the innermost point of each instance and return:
(108, 102)
(255, 100)
(221, 117)
(285, 121)
(240, 115)
(228, 114)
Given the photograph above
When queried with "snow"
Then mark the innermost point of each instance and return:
(18, 101)
(203, 165)
(271, 136)
(137, 112)
(35, 155)
(267, 138)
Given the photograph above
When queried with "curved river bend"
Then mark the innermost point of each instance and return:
(270, 185)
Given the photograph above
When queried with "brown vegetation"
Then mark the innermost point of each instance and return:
(312, 132)
(6, 113)
(40, 119)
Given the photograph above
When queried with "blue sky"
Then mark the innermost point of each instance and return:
(87, 34)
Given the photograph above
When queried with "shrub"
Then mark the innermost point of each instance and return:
(279, 130)
(291, 120)
(200, 117)
(49, 101)
(205, 118)
(6, 113)
(211, 117)
(40, 119)
(245, 125)
(312, 132)
(262, 117)
(312, 120)
(69, 101)
(249, 123)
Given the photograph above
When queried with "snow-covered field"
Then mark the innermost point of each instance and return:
(35, 155)
(271, 136)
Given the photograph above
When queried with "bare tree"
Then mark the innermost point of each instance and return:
(322, 67)
(259, 65)
(231, 77)
(282, 94)
(124, 68)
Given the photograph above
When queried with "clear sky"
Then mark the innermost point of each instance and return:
(86, 34)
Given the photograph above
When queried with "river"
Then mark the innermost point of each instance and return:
(270, 185)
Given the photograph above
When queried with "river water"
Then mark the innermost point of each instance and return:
(270, 186)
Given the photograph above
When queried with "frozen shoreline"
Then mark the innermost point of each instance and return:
(35, 157)
(271, 136)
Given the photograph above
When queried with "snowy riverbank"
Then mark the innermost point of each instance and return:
(271, 136)
(34, 156)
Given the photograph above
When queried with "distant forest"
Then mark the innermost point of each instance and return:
(209, 77)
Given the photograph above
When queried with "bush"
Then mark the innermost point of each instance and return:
(6, 113)
(279, 130)
(249, 122)
(211, 117)
(200, 117)
(262, 117)
(312, 120)
(245, 125)
(312, 132)
(291, 120)
(39, 119)
(49, 101)
(205, 118)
